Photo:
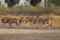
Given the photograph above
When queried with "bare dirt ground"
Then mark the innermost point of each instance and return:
(28, 34)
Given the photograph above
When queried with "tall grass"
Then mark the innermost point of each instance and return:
(30, 10)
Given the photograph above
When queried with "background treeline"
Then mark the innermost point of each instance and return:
(13, 2)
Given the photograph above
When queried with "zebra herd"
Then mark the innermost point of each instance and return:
(21, 20)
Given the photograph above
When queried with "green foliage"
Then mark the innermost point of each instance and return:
(56, 2)
(17, 1)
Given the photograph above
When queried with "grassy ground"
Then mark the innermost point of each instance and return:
(30, 10)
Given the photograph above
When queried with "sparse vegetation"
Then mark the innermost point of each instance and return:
(30, 10)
